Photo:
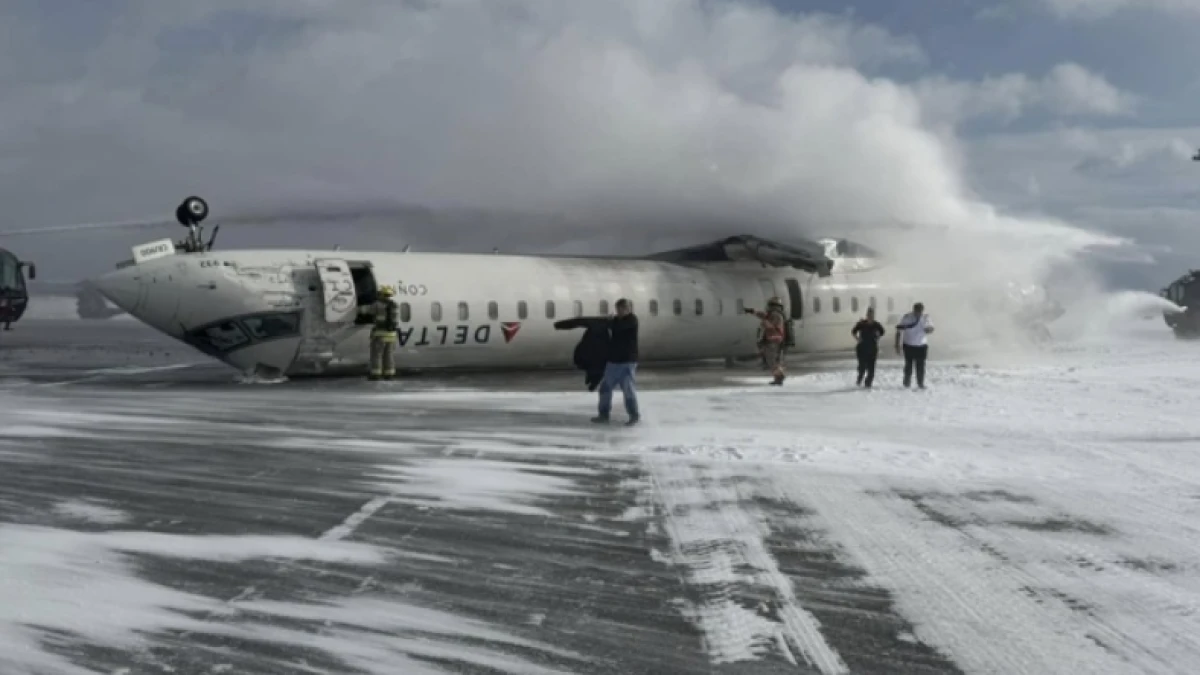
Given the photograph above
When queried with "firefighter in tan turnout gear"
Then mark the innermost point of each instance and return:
(774, 332)
(383, 314)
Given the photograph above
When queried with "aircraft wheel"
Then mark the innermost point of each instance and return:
(192, 211)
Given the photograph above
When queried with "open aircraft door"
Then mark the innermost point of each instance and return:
(337, 290)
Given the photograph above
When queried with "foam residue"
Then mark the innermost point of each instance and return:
(469, 483)
(77, 588)
(719, 541)
(90, 511)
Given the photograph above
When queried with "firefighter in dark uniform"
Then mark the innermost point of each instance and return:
(774, 333)
(383, 314)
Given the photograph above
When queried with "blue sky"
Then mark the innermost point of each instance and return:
(1040, 126)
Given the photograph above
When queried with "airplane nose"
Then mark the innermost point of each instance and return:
(123, 288)
(149, 292)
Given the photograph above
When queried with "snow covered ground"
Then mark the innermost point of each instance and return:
(1035, 513)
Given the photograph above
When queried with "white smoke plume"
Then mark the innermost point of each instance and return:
(634, 123)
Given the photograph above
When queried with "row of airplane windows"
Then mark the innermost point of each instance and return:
(493, 308)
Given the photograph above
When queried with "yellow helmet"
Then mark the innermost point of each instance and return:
(386, 291)
(775, 301)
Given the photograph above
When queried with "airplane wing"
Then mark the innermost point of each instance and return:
(810, 256)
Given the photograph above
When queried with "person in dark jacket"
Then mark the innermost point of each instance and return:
(867, 332)
(621, 367)
(591, 354)
(622, 364)
(608, 353)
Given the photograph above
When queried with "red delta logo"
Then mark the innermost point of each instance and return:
(510, 328)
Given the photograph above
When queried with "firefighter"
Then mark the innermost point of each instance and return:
(774, 333)
(383, 315)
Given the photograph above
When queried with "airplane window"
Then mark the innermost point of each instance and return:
(435, 311)
(653, 308)
(816, 304)
(522, 310)
(699, 307)
(463, 311)
(221, 337)
(837, 304)
(549, 309)
(493, 311)
(267, 326)
(578, 308)
(854, 304)
(603, 308)
(678, 307)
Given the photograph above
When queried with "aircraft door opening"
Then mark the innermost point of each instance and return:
(337, 290)
(795, 298)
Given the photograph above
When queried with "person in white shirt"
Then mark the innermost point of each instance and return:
(912, 330)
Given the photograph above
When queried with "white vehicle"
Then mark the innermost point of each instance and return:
(292, 312)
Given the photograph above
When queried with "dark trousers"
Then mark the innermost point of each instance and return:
(866, 353)
(915, 356)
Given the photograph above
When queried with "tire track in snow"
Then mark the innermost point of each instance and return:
(720, 542)
(1136, 614)
(959, 597)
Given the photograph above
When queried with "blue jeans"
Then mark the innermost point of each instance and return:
(619, 375)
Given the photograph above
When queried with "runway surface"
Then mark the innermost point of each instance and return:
(161, 516)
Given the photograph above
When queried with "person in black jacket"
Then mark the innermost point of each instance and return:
(622, 364)
(867, 332)
(608, 354)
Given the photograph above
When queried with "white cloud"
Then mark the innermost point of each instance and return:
(1144, 156)
(678, 112)
(1133, 183)
(1068, 89)
(1097, 9)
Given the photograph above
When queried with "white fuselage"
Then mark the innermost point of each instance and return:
(292, 311)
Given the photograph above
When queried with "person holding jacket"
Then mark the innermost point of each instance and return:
(867, 333)
(608, 354)
(621, 367)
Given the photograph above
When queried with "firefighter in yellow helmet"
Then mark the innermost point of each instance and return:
(383, 314)
(774, 333)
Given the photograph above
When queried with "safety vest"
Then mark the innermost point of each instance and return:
(773, 327)
(386, 320)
